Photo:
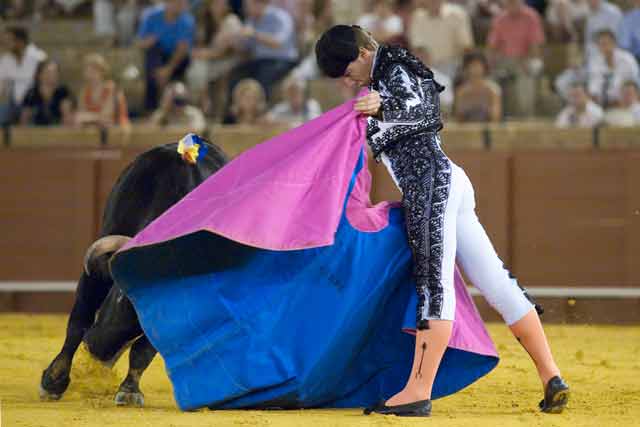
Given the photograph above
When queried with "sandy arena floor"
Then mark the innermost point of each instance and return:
(601, 363)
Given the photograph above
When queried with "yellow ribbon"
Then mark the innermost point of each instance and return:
(188, 150)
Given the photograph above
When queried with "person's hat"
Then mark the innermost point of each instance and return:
(336, 48)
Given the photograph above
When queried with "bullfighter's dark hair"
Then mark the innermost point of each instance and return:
(339, 46)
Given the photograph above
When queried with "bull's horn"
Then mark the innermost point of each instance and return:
(102, 246)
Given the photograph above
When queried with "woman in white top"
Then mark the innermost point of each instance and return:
(217, 58)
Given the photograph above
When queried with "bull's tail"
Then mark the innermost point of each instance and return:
(102, 246)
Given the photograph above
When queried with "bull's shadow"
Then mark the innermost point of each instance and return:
(102, 316)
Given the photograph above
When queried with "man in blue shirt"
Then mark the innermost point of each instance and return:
(629, 30)
(166, 34)
(269, 38)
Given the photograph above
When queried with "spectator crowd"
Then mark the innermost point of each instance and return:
(251, 62)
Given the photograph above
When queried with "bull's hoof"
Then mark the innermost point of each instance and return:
(47, 396)
(127, 398)
(52, 388)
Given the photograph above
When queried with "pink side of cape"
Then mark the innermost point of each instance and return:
(278, 181)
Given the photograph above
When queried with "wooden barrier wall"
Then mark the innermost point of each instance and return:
(558, 217)
(576, 218)
(47, 213)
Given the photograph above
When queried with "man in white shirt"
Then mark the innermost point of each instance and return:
(608, 69)
(581, 111)
(17, 71)
(628, 111)
(602, 16)
(444, 29)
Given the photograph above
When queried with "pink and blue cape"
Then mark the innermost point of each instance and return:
(276, 282)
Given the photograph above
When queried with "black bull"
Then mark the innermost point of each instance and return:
(150, 185)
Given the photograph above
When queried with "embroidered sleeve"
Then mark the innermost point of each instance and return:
(401, 101)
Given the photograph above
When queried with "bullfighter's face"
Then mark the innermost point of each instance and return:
(358, 73)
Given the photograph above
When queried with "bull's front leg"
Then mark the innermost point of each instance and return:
(140, 356)
(89, 296)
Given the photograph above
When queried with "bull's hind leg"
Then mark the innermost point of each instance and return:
(89, 295)
(140, 356)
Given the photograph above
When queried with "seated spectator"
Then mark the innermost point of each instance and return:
(405, 9)
(444, 29)
(629, 30)
(175, 110)
(515, 41)
(383, 24)
(217, 22)
(446, 96)
(565, 17)
(116, 20)
(478, 98)
(577, 71)
(15, 9)
(482, 13)
(47, 103)
(581, 111)
(270, 40)
(166, 34)
(603, 15)
(348, 11)
(248, 104)
(608, 68)
(100, 102)
(323, 16)
(217, 57)
(627, 113)
(302, 14)
(17, 72)
(68, 7)
(307, 69)
(296, 108)
(21, 9)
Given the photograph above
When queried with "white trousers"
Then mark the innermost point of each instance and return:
(466, 242)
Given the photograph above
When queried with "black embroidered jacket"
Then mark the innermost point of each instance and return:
(410, 99)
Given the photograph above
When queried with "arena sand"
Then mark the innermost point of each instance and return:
(602, 364)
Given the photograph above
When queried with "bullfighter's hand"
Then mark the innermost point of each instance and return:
(369, 104)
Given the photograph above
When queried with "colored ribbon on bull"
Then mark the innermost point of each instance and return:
(192, 147)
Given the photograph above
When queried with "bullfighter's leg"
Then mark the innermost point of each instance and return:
(140, 356)
(90, 293)
(486, 271)
(430, 200)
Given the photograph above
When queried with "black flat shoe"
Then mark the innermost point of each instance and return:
(556, 396)
(421, 408)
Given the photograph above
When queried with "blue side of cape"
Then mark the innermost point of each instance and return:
(242, 327)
